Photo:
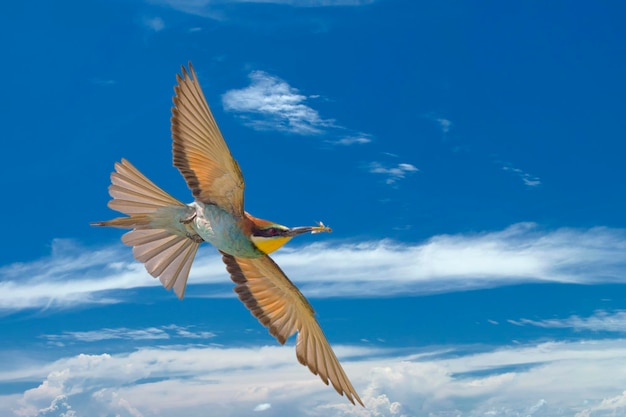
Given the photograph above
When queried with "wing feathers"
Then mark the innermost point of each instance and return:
(200, 152)
(279, 305)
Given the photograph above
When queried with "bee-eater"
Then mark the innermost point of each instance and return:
(166, 232)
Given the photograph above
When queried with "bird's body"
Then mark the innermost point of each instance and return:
(208, 223)
(222, 230)
(166, 233)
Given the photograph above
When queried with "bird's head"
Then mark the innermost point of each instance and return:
(268, 236)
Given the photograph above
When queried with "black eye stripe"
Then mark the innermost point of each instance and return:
(269, 232)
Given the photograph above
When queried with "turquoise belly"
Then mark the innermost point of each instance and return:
(220, 228)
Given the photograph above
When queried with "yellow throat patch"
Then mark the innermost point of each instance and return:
(268, 245)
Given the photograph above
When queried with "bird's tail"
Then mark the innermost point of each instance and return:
(159, 238)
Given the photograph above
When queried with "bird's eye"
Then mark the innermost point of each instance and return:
(272, 231)
(269, 232)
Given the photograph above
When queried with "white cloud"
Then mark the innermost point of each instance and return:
(204, 8)
(547, 380)
(154, 23)
(528, 179)
(263, 407)
(444, 124)
(210, 8)
(540, 380)
(149, 333)
(608, 407)
(393, 173)
(171, 380)
(72, 276)
(269, 103)
(59, 407)
(353, 140)
(313, 3)
(600, 321)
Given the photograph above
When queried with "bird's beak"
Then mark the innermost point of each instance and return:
(295, 231)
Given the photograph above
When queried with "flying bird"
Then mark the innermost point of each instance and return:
(166, 233)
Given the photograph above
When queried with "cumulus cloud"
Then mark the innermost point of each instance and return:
(393, 173)
(523, 252)
(608, 407)
(171, 380)
(547, 380)
(540, 380)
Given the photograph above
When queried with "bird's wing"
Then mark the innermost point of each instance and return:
(273, 299)
(200, 152)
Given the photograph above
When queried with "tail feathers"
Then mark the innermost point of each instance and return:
(133, 193)
(166, 256)
(138, 197)
(126, 222)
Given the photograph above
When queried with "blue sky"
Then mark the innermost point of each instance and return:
(468, 156)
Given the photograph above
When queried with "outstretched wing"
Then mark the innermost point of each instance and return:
(273, 299)
(200, 152)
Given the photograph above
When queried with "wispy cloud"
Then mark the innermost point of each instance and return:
(353, 140)
(269, 103)
(528, 179)
(392, 173)
(204, 8)
(154, 23)
(542, 380)
(210, 8)
(73, 276)
(149, 333)
(443, 123)
(600, 321)
(313, 3)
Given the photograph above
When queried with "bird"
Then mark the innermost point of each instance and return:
(166, 233)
